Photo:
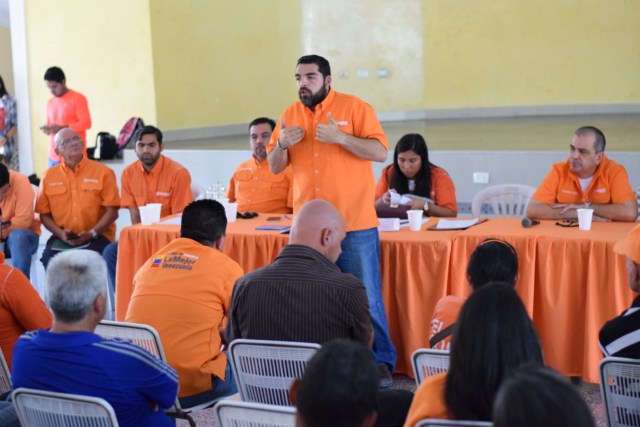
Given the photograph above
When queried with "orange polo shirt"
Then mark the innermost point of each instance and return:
(72, 110)
(329, 171)
(255, 188)
(21, 308)
(184, 292)
(168, 183)
(17, 205)
(444, 315)
(428, 402)
(610, 184)
(77, 199)
(443, 192)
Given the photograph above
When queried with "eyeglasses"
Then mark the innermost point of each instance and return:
(246, 215)
(69, 140)
(568, 223)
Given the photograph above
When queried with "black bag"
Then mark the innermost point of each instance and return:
(105, 147)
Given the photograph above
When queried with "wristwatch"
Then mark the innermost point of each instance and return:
(427, 206)
(94, 234)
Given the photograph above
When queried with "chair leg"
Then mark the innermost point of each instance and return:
(183, 416)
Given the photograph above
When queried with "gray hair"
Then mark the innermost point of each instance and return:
(74, 279)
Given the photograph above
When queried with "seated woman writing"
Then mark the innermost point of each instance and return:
(424, 185)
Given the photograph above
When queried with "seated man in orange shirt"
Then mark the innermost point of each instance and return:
(184, 292)
(253, 186)
(78, 200)
(154, 178)
(586, 179)
(20, 229)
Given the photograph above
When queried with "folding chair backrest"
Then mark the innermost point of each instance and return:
(427, 362)
(5, 376)
(264, 370)
(144, 336)
(620, 387)
(37, 408)
(230, 413)
(434, 422)
(507, 200)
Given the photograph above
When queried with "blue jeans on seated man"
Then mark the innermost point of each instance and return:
(219, 389)
(361, 257)
(20, 245)
(110, 255)
(96, 245)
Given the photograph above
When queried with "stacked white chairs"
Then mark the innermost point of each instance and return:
(507, 200)
(231, 413)
(620, 387)
(428, 362)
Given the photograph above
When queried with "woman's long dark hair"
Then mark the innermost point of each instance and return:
(3, 89)
(416, 143)
(493, 337)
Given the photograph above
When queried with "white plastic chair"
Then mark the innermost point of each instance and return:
(435, 422)
(264, 370)
(197, 191)
(5, 376)
(231, 413)
(147, 337)
(620, 387)
(38, 408)
(507, 200)
(428, 362)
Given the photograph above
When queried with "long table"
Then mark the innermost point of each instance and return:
(570, 280)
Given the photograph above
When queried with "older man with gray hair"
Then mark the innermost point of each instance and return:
(71, 358)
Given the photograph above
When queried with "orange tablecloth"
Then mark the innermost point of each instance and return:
(570, 280)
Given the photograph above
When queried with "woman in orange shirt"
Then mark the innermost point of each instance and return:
(494, 336)
(428, 186)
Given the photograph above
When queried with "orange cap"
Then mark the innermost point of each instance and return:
(630, 245)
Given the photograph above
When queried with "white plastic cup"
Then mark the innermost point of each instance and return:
(145, 215)
(231, 210)
(415, 219)
(156, 208)
(585, 216)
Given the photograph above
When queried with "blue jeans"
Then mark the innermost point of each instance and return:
(219, 389)
(97, 245)
(21, 244)
(110, 255)
(361, 257)
(52, 163)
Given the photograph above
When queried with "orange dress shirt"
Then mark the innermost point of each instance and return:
(72, 110)
(428, 402)
(255, 188)
(443, 192)
(77, 199)
(168, 183)
(610, 184)
(17, 205)
(444, 315)
(329, 171)
(184, 292)
(21, 308)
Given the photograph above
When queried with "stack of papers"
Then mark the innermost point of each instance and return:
(456, 224)
(389, 224)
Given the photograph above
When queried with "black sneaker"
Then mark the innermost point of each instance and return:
(384, 376)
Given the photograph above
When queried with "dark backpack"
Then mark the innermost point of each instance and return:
(128, 132)
(105, 147)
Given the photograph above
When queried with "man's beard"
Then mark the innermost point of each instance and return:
(314, 99)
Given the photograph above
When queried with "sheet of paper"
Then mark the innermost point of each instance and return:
(389, 224)
(453, 224)
(397, 199)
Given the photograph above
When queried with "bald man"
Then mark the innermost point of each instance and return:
(303, 295)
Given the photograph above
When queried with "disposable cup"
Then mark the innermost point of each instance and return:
(231, 210)
(584, 219)
(415, 219)
(145, 215)
(156, 208)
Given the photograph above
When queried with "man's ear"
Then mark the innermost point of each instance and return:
(219, 243)
(293, 392)
(100, 306)
(599, 156)
(325, 237)
(327, 81)
(56, 150)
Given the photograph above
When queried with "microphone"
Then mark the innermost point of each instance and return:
(528, 222)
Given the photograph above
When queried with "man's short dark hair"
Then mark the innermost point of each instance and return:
(4, 175)
(339, 386)
(322, 63)
(261, 120)
(203, 221)
(54, 74)
(149, 130)
(493, 260)
(601, 141)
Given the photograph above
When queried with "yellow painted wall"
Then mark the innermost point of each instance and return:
(104, 48)
(225, 61)
(521, 52)
(6, 62)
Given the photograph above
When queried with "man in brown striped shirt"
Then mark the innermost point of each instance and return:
(303, 295)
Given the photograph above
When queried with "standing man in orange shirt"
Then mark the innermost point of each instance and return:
(67, 109)
(253, 185)
(586, 179)
(154, 178)
(78, 200)
(330, 140)
(20, 229)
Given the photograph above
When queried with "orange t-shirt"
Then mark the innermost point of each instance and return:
(72, 110)
(443, 192)
(17, 205)
(77, 199)
(428, 402)
(184, 292)
(444, 315)
(255, 188)
(610, 184)
(168, 183)
(329, 171)
(21, 308)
